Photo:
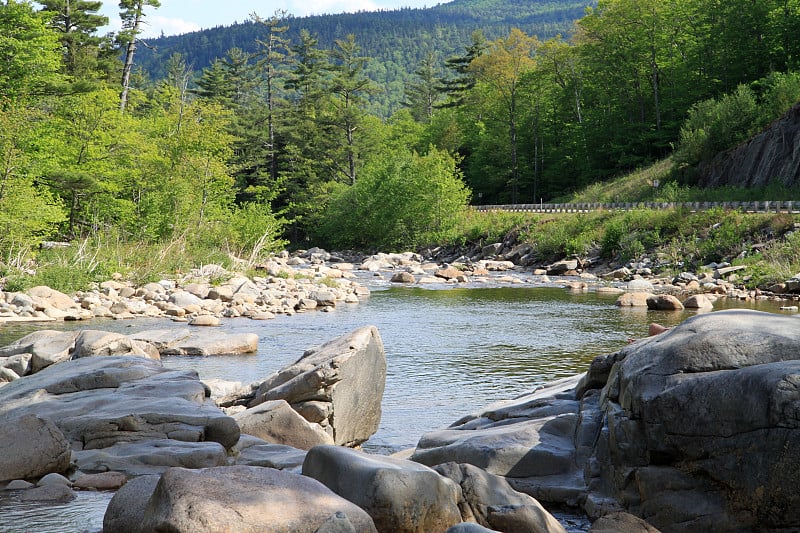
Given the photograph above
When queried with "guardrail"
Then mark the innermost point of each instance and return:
(767, 206)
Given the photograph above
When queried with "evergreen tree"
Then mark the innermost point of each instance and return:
(85, 55)
(132, 15)
(424, 93)
(350, 86)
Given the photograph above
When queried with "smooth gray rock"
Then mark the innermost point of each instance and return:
(252, 451)
(52, 298)
(97, 402)
(490, 501)
(275, 421)
(348, 373)
(531, 438)
(45, 346)
(32, 446)
(125, 511)
(199, 341)
(7, 375)
(703, 430)
(93, 343)
(401, 496)
(245, 499)
(151, 456)
(20, 364)
(49, 494)
(184, 299)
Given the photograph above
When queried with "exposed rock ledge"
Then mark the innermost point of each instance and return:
(696, 429)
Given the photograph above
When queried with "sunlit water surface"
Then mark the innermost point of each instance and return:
(449, 352)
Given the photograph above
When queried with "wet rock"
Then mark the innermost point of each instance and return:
(664, 302)
(698, 301)
(633, 299)
(403, 277)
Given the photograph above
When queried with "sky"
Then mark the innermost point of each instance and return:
(176, 17)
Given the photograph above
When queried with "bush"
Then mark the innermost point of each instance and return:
(402, 200)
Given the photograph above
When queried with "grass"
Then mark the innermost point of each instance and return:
(682, 240)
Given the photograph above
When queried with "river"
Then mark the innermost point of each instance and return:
(449, 352)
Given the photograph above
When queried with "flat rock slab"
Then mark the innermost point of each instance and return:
(199, 341)
(101, 401)
(151, 457)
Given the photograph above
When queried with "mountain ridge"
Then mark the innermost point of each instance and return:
(395, 40)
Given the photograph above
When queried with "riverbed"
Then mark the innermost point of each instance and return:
(449, 352)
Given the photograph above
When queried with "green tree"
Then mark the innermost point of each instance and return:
(502, 68)
(273, 54)
(402, 200)
(77, 22)
(28, 214)
(424, 93)
(132, 15)
(350, 86)
(29, 56)
(463, 79)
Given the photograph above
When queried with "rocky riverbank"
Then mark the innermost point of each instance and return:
(690, 429)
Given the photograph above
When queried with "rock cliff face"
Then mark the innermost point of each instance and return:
(772, 157)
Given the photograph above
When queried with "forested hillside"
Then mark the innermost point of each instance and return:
(287, 142)
(396, 41)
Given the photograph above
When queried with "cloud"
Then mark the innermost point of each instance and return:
(155, 25)
(319, 7)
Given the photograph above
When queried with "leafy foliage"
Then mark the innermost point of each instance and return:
(401, 201)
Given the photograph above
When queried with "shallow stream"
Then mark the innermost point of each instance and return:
(450, 351)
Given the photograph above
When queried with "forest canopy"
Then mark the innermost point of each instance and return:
(292, 137)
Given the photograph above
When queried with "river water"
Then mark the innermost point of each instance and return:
(449, 352)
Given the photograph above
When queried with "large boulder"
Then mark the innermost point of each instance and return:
(401, 496)
(695, 429)
(46, 347)
(92, 343)
(246, 499)
(529, 440)
(338, 385)
(98, 402)
(491, 502)
(275, 421)
(703, 430)
(31, 447)
(125, 511)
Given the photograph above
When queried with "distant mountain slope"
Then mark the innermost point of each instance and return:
(396, 40)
